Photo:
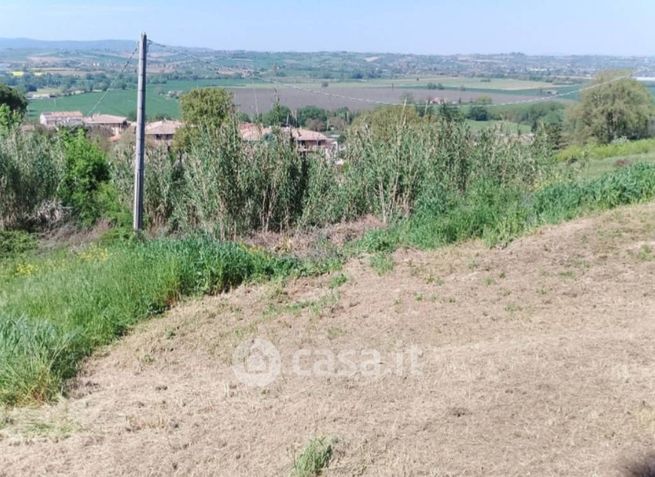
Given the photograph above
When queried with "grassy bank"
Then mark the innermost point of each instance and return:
(56, 310)
(604, 151)
(500, 214)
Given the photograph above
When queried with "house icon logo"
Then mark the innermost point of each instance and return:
(256, 362)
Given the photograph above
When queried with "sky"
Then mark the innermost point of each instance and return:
(616, 27)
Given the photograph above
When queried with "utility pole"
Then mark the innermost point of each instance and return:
(139, 161)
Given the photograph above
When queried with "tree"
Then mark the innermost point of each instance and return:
(204, 109)
(279, 115)
(449, 112)
(612, 109)
(478, 110)
(383, 122)
(13, 98)
(312, 113)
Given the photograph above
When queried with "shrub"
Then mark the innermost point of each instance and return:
(393, 169)
(84, 185)
(314, 458)
(229, 187)
(162, 183)
(31, 167)
(15, 242)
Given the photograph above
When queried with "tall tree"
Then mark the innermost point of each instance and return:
(203, 109)
(279, 115)
(13, 98)
(613, 109)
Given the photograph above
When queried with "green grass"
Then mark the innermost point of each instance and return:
(119, 102)
(314, 458)
(56, 310)
(337, 280)
(500, 214)
(15, 242)
(595, 168)
(605, 151)
(122, 102)
(382, 263)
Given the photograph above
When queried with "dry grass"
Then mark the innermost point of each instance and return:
(536, 360)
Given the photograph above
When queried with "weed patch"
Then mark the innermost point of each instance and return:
(314, 458)
(56, 311)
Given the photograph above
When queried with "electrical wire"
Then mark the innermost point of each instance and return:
(102, 98)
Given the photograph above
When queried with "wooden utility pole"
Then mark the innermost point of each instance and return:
(139, 161)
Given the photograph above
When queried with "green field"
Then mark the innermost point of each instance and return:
(596, 168)
(120, 102)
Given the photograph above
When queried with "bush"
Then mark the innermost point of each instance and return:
(13, 99)
(85, 182)
(397, 166)
(31, 167)
(394, 162)
(162, 184)
(15, 242)
(314, 458)
(229, 187)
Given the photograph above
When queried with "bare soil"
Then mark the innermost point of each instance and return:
(535, 359)
(257, 100)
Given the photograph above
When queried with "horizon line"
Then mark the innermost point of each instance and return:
(363, 52)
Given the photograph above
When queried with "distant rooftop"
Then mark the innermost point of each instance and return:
(105, 119)
(253, 132)
(163, 128)
(62, 114)
(300, 134)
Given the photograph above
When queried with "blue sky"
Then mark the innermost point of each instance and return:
(439, 26)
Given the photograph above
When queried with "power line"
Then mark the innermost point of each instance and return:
(102, 98)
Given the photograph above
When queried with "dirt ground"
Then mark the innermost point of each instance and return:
(535, 359)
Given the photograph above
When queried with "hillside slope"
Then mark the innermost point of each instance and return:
(535, 359)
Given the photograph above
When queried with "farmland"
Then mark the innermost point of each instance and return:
(253, 97)
(328, 80)
(121, 102)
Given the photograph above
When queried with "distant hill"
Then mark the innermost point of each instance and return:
(30, 44)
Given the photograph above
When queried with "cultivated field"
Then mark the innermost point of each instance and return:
(251, 100)
(534, 359)
(257, 96)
